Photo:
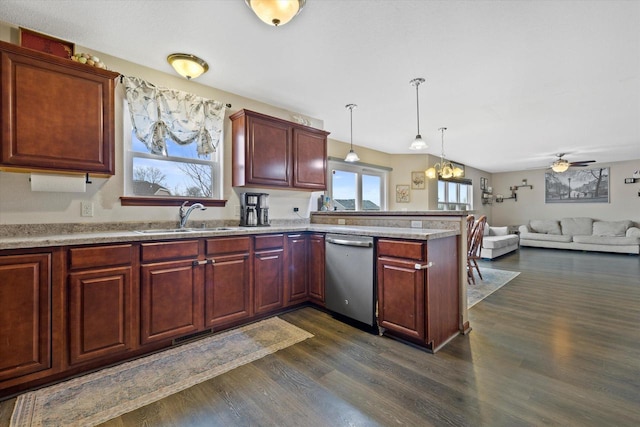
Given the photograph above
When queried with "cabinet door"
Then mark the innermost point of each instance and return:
(25, 314)
(309, 159)
(56, 114)
(315, 257)
(401, 291)
(227, 290)
(268, 152)
(170, 300)
(268, 280)
(296, 287)
(100, 313)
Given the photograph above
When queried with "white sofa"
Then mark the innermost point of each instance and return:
(497, 241)
(584, 234)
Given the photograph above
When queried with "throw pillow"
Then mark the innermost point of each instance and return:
(611, 228)
(545, 226)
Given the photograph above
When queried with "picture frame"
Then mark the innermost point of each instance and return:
(47, 44)
(577, 186)
(403, 193)
(483, 183)
(418, 180)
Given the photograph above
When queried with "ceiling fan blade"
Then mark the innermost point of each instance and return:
(582, 163)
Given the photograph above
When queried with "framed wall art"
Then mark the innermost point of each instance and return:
(418, 180)
(46, 44)
(577, 186)
(402, 194)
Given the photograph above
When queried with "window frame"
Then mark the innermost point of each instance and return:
(445, 198)
(360, 169)
(130, 199)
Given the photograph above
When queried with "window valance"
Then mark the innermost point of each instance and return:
(158, 113)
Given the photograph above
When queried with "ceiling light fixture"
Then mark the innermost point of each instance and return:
(275, 12)
(418, 143)
(444, 169)
(560, 165)
(188, 66)
(351, 156)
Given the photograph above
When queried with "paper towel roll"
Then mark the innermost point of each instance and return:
(58, 183)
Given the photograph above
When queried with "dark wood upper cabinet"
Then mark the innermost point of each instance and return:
(56, 114)
(270, 152)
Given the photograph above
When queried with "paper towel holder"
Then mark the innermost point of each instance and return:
(86, 179)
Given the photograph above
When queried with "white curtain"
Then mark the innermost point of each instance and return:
(184, 117)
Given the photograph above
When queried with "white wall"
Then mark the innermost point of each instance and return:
(624, 202)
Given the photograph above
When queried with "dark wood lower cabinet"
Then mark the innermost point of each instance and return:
(315, 267)
(268, 280)
(170, 300)
(418, 290)
(227, 283)
(100, 313)
(25, 314)
(296, 278)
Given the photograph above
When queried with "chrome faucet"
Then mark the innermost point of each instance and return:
(184, 215)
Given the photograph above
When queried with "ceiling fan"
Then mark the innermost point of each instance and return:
(561, 165)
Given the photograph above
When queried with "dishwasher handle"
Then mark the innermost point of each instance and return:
(344, 242)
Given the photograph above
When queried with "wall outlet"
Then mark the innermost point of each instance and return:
(296, 209)
(341, 221)
(416, 224)
(86, 208)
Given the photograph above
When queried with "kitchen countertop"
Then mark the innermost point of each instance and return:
(101, 237)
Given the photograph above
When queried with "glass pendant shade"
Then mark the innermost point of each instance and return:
(560, 165)
(418, 144)
(188, 66)
(275, 12)
(351, 155)
(431, 173)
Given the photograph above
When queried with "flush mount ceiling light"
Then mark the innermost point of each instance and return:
(188, 66)
(275, 12)
(443, 169)
(351, 156)
(418, 143)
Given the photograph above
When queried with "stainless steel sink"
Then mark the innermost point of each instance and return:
(183, 230)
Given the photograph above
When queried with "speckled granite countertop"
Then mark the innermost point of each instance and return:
(101, 237)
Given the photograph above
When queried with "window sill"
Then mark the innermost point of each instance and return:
(168, 201)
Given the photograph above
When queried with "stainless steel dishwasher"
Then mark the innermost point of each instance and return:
(349, 287)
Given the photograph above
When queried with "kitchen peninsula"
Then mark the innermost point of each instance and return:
(90, 303)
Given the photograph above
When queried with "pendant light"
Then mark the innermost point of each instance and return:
(351, 156)
(187, 65)
(443, 169)
(275, 12)
(418, 143)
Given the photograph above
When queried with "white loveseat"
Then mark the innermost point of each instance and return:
(585, 234)
(497, 241)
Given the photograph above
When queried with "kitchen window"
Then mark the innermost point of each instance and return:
(357, 187)
(173, 149)
(455, 195)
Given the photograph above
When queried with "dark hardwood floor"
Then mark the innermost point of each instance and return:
(559, 345)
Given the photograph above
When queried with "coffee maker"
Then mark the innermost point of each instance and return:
(254, 210)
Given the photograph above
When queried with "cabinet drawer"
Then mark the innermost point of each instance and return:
(169, 250)
(228, 245)
(101, 256)
(269, 241)
(401, 249)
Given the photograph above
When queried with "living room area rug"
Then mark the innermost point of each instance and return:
(106, 394)
(492, 281)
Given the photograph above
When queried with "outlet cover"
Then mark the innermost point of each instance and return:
(86, 208)
(341, 221)
(416, 224)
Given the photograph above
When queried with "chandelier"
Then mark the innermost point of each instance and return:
(443, 169)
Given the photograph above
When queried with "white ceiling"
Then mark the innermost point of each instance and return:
(514, 81)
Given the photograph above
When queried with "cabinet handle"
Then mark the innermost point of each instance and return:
(423, 266)
(196, 263)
